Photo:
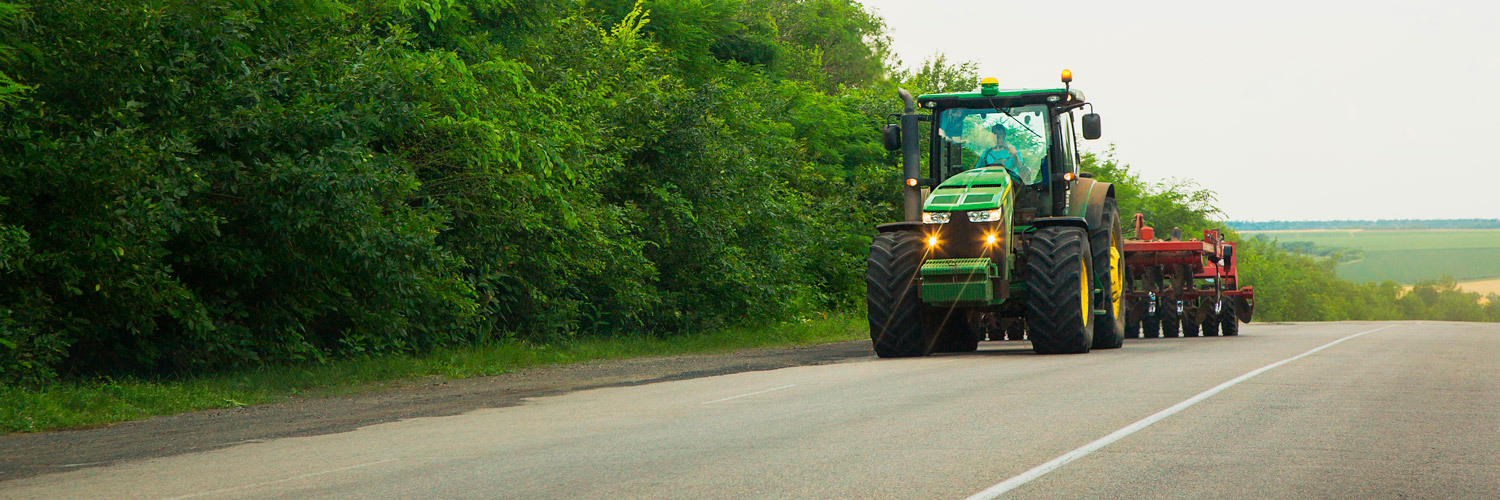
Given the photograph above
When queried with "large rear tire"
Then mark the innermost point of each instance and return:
(893, 305)
(1107, 243)
(1059, 315)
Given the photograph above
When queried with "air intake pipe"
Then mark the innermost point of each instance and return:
(911, 162)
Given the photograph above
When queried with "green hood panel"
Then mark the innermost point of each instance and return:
(978, 189)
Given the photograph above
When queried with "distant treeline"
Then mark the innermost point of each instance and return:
(1344, 254)
(1300, 225)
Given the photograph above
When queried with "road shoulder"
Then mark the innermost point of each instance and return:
(26, 455)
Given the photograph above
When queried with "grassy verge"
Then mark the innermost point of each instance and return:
(85, 404)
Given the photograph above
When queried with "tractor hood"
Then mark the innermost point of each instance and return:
(978, 189)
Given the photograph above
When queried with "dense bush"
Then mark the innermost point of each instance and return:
(192, 186)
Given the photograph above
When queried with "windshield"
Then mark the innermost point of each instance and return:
(1015, 138)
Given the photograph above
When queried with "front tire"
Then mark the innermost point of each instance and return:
(1059, 285)
(1107, 243)
(894, 307)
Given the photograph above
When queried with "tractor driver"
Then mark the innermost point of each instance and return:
(1002, 153)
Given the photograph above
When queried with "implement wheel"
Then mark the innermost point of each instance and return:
(1229, 324)
(1059, 314)
(1211, 320)
(1189, 328)
(894, 308)
(1169, 319)
(1108, 245)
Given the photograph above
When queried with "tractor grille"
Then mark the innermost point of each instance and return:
(961, 239)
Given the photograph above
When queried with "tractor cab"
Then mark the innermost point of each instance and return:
(1029, 134)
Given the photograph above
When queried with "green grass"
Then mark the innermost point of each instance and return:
(1409, 256)
(1411, 266)
(87, 404)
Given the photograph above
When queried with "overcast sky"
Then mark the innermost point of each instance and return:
(1291, 110)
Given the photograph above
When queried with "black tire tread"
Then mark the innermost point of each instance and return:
(894, 308)
(1053, 256)
(1170, 320)
(1109, 330)
(1189, 329)
(1211, 321)
(1229, 323)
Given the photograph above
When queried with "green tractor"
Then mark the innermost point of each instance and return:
(1004, 237)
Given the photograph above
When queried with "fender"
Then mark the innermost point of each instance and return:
(899, 226)
(1077, 222)
(1086, 200)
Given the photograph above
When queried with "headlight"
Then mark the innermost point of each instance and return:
(985, 215)
(936, 217)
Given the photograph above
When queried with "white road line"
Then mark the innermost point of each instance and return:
(750, 394)
(293, 478)
(1041, 470)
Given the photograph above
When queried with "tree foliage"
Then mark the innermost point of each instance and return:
(194, 186)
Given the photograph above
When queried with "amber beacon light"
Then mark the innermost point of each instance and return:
(1067, 76)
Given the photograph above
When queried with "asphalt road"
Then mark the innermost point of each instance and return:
(1322, 410)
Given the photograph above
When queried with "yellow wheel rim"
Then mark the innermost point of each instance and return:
(1083, 285)
(1116, 273)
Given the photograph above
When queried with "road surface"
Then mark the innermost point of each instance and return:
(1312, 410)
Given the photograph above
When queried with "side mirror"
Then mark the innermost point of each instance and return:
(1228, 254)
(1091, 126)
(891, 137)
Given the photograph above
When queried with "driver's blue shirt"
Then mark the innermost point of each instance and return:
(994, 156)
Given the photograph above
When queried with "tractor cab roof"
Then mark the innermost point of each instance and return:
(990, 97)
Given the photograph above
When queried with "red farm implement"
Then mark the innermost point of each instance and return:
(1181, 285)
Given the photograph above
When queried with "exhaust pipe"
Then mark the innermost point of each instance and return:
(911, 161)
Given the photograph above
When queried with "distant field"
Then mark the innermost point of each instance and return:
(1408, 256)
